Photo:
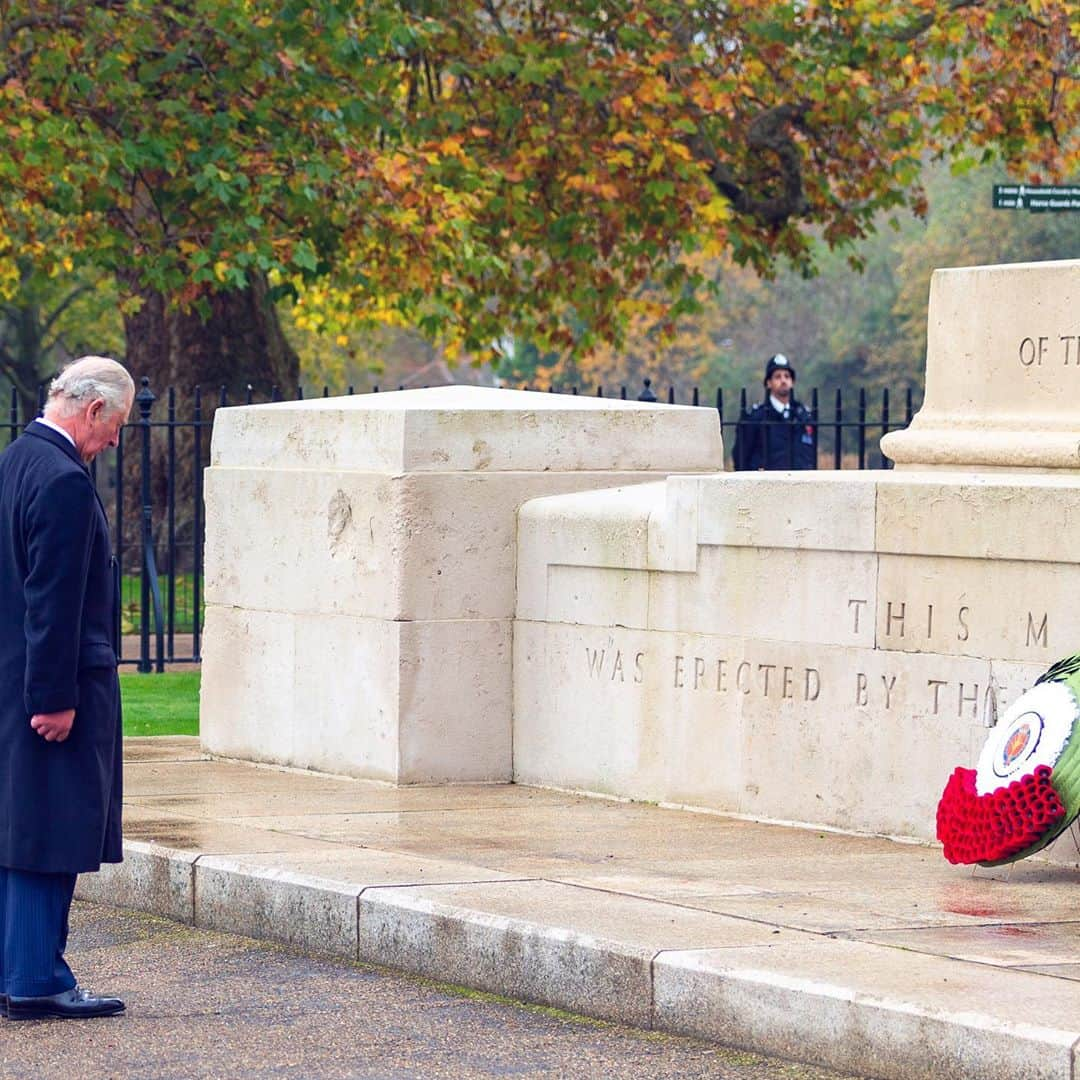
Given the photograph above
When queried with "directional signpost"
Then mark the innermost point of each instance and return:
(1038, 198)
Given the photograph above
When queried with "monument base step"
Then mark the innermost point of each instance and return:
(856, 953)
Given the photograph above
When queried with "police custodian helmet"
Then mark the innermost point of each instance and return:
(779, 362)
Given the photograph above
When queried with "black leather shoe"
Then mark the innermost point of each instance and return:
(3, 1004)
(73, 1004)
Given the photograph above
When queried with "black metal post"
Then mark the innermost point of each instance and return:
(742, 417)
(145, 400)
(197, 536)
(170, 622)
(885, 462)
(838, 427)
(119, 516)
(862, 427)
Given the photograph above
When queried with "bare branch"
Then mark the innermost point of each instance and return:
(62, 307)
(770, 132)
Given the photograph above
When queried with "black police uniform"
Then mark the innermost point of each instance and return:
(766, 439)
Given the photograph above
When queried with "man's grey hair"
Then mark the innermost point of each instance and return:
(89, 378)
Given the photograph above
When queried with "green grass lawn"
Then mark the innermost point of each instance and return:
(161, 704)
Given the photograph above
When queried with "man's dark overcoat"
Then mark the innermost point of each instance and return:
(59, 801)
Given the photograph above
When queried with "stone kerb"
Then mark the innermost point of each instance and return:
(1002, 370)
(360, 564)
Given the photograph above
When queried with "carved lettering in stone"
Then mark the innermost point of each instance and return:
(699, 671)
(1032, 351)
(862, 688)
(899, 620)
(971, 698)
(787, 687)
(617, 667)
(889, 682)
(743, 684)
(779, 682)
(1038, 636)
(936, 685)
(856, 606)
(766, 670)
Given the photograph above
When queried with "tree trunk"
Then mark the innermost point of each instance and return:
(240, 343)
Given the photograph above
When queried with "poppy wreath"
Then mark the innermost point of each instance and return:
(1025, 790)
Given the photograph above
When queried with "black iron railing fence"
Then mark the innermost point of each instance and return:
(152, 485)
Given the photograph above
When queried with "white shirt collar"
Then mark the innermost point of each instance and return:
(56, 427)
(778, 405)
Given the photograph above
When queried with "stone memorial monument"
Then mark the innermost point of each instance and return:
(360, 562)
(466, 584)
(821, 647)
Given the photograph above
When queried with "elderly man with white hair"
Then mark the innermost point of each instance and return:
(60, 734)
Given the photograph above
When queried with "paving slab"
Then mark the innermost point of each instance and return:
(346, 798)
(210, 835)
(1008, 945)
(896, 1014)
(163, 748)
(858, 953)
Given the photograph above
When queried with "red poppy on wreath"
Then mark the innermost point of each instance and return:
(1025, 790)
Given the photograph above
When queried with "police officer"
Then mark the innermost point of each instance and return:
(778, 432)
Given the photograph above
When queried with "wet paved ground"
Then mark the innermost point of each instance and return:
(213, 1005)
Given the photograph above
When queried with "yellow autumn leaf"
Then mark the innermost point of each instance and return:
(717, 209)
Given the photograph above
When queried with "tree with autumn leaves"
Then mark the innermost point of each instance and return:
(487, 169)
